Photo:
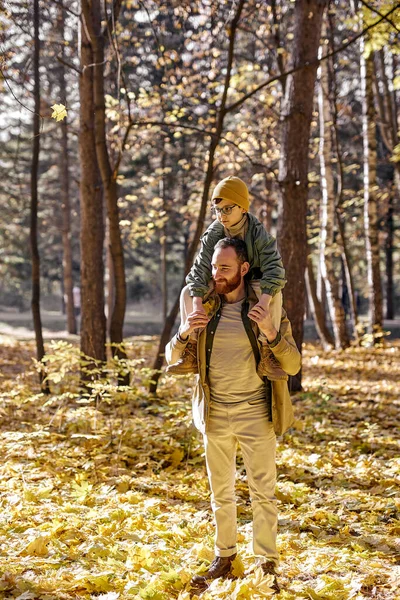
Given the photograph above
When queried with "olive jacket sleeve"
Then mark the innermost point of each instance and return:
(264, 258)
(199, 275)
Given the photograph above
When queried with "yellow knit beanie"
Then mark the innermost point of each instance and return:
(233, 189)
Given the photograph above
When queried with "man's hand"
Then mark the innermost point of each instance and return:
(197, 319)
(262, 316)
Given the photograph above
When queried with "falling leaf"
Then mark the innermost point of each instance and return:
(59, 112)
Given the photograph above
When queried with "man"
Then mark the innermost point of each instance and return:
(232, 405)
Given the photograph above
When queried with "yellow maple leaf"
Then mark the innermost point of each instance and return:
(59, 112)
(38, 546)
(237, 567)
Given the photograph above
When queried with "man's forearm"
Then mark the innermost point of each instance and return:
(270, 333)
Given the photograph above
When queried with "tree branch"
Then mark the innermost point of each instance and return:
(68, 10)
(69, 65)
(372, 9)
(309, 64)
(200, 130)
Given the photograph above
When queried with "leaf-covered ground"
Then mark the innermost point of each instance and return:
(106, 496)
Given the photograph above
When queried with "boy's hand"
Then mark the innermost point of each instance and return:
(262, 316)
(197, 319)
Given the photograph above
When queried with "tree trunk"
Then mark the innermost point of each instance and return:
(328, 200)
(375, 316)
(109, 179)
(93, 322)
(169, 323)
(389, 258)
(35, 302)
(296, 114)
(340, 187)
(66, 209)
(387, 107)
(163, 241)
(317, 309)
(109, 280)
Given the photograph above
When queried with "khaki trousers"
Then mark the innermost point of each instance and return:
(186, 306)
(244, 423)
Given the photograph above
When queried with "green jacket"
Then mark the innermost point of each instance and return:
(284, 349)
(264, 258)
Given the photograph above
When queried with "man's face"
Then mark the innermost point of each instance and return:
(226, 270)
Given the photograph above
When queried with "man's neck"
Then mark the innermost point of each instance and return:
(237, 295)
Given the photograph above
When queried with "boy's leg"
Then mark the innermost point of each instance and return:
(275, 308)
(188, 361)
(275, 305)
(268, 365)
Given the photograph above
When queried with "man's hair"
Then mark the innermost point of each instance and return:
(237, 244)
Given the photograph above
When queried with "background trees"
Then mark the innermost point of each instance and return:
(167, 98)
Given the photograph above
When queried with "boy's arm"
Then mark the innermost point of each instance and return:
(199, 275)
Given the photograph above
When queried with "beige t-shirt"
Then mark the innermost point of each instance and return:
(232, 373)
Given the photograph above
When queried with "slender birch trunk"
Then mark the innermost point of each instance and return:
(328, 200)
(163, 240)
(339, 211)
(317, 309)
(375, 316)
(65, 196)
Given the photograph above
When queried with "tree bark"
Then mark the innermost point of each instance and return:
(317, 309)
(35, 302)
(387, 110)
(375, 316)
(296, 114)
(340, 187)
(66, 209)
(92, 15)
(169, 323)
(163, 240)
(328, 201)
(390, 314)
(93, 322)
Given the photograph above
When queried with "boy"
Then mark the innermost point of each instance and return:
(230, 203)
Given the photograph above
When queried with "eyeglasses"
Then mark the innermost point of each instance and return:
(225, 210)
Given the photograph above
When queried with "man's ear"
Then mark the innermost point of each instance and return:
(244, 268)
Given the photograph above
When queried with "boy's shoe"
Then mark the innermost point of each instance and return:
(268, 568)
(269, 366)
(187, 362)
(220, 567)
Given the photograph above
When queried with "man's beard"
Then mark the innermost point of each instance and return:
(225, 286)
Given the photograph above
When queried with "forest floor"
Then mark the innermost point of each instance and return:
(104, 495)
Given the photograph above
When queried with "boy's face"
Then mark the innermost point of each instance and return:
(233, 218)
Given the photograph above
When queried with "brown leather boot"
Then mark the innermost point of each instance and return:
(268, 568)
(220, 567)
(269, 366)
(187, 362)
